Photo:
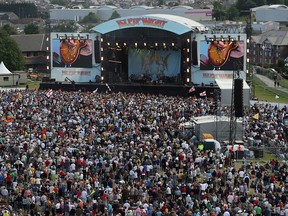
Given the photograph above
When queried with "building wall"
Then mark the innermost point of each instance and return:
(277, 15)
(9, 79)
(105, 13)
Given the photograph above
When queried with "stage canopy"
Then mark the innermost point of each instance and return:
(225, 86)
(175, 24)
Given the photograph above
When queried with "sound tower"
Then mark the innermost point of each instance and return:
(238, 97)
(194, 53)
(97, 51)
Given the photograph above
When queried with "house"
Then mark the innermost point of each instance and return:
(269, 46)
(35, 49)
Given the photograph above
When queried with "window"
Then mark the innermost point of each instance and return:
(6, 79)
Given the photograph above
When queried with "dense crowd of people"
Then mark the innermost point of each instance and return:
(89, 153)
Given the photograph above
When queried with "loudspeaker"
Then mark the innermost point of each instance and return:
(238, 97)
(97, 50)
(194, 53)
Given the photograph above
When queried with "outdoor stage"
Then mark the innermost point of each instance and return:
(165, 89)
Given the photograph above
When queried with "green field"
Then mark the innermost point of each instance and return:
(264, 93)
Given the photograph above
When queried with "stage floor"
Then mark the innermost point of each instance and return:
(164, 89)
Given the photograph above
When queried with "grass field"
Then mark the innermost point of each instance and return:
(264, 93)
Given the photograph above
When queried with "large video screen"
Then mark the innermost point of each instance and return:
(72, 53)
(153, 64)
(221, 55)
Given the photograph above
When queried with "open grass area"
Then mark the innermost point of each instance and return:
(32, 84)
(264, 93)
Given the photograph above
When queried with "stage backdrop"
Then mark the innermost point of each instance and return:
(153, 63)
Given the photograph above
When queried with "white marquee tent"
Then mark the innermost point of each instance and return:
(225, 86)
(7, 78)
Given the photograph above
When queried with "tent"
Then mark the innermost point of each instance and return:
(3, 69)
(7, 78)
(225, 86)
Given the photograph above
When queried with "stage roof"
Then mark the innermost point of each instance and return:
(176, 24)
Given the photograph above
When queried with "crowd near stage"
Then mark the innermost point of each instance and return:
(153, 88)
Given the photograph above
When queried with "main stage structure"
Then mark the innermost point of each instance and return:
(155, 53)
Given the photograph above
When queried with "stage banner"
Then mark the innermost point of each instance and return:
(154, 64)
(72, 53)
(222, 55)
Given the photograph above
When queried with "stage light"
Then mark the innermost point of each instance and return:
(188, 40)
(102, 49)
(125, 44)
(47, 67)
(173, 44)
(188, 59)
(247, 50)
(164, 44)
(102, 58)
(102, 78)
(188, 50)
(135, 44)
(47, 38)
(101, 40)
(248, 40)
(247, 71)
(145, 44)
(108, 44)
(102, 69)
(47, 57)
(156, 44)
(47, 48)
(188, 80)
(248, 60)
(187, 70)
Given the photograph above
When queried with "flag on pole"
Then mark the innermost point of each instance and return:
(49, 94)
(203, 94)
(276, 96)
(256, 116)
(192, 89)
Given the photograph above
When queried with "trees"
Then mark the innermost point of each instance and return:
(10, 53)
(9, 29)
(66, 27)
(90, 18)
(31, 28)
(115, 15)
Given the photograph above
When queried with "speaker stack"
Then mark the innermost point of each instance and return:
(238, 97)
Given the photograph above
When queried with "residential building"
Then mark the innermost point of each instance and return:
(35, 49)
(269, 46)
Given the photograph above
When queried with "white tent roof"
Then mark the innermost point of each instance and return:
(3, 69)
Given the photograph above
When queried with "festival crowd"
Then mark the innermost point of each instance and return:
(90, 153)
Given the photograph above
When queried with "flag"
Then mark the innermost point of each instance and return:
(256, 116)
(192, 89)
(108, 87)
(49, 93)
(276, 96)
(203, 94)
